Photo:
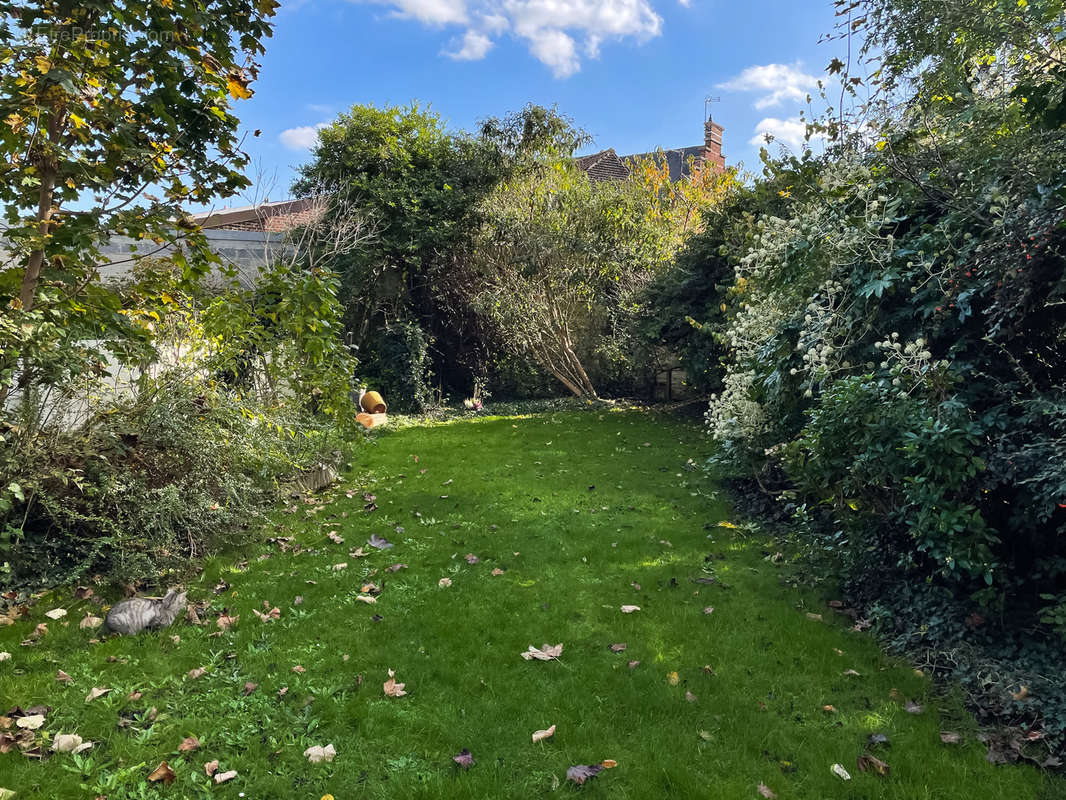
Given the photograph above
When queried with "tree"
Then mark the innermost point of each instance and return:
(561, 261)
(116, 115)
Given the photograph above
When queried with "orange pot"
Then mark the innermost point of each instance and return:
(373, 403)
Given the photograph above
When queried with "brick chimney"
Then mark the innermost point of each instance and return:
(712, 142)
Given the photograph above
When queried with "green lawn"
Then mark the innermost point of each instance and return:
(584, 513)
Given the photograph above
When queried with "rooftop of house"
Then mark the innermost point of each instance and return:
(269, 217)
(607, 165)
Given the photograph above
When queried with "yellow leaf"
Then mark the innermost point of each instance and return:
(78, 121)
(238, 90)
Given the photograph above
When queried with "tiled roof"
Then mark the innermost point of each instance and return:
(603, 166)
(266, 216)
(680, 160)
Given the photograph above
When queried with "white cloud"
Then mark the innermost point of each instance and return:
(431, 12)
(302, 138)
(550, 28)
(475, 46)
(789, 131)
(775, 83)
(555, 49)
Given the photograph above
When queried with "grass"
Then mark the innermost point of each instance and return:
(575, 508)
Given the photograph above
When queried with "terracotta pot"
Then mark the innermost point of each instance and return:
(373, 403)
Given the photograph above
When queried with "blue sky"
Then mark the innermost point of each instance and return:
(634, 73)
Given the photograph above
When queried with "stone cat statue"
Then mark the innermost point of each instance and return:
(134, 615)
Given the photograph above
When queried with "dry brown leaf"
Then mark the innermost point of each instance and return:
(96, 691)
(335, 537)
(188, 744)
(464, 759)
(690, 697)
(608, 763)
(630, 609)
(162, 773)
(497, 571)
(225, 622)
(299, 669)
(868, 763)
(766, 791)
(444, 582)
(211, 767)
(544, 653)
(270, 616)
(134, 695)
(392, 688)
(950, 737)
(31, 722)
(69, 743)
(249, 687)
(89, 621)
(339, 567)
(365, 598)
(62, 677)
(815, 617)
(633, 664)
(547, 733)
(851, 672)
(198, 672)
(222, 777)
(56, 613)
(618, 647)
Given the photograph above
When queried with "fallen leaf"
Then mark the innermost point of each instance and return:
(950, 737)
(380, 542)
(31, 722)
(913, 708)
(56, 613)
(225, 622)
(270, 616)
(365, 598)
(633, 664)
(630, 609)
(211, 767)
(249, 687)
(868, 763)
(198, 672)
(188, 744)
(673, 679)
(316, 754)
(335, 538)
(608, 763)
(708, 610)
(471, 558)
(840, 772)
(299, 669)
(162, 773)
(582, 772)
(544, 653)
(135, 695)
(41, 629)
(395, 567)
(83, 593)
(464, 759)
(229, 775)
(497, 571)
(815, 617)
(392, 688)
(69, 743)
(284, 690)
(339, 567)
(444, 582)
(358, 552)
(766, 792)
(62, 677)
(690, 697)
(618, 647)
(851, 673)
(96, 691)
(539, 736)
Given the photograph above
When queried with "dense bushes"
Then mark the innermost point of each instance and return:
(893, 339)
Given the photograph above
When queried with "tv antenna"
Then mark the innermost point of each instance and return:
(707, 107)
